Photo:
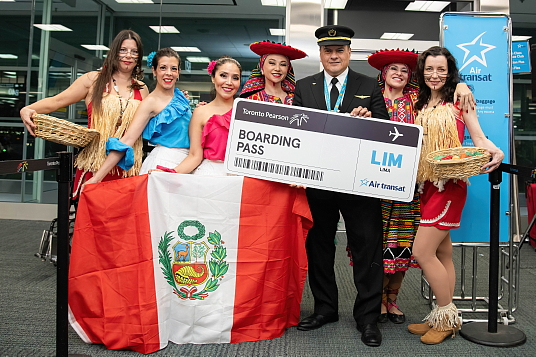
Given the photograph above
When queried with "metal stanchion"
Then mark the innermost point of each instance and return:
(64, 178)
(493, 334)
(64, 166)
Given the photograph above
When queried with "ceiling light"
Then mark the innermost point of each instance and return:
(198, 59)
(7, 0)
(277, 32)
(328, 4)
(52, 27)
(521, 38)
(164, 29)
(335, 4)
(396, 36)
(186, 49)
(135, 1)
(96, 47)
(431, 6)
(8, 56)
(274, 2)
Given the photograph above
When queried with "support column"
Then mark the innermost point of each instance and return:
(42, 91)
(302, 19)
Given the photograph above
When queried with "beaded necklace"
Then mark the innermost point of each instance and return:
(121, 109)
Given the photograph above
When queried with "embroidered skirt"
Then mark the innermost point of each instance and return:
(443, 209)
(400, 224)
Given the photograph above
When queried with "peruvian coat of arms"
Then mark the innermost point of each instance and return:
(184, 264)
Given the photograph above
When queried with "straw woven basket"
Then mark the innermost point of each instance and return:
(62, 131)
(458, 168)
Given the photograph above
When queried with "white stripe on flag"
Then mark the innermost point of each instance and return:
(215, 203)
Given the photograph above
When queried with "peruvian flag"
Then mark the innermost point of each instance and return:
(187, 259)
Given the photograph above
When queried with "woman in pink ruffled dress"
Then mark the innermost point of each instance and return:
(209, 126)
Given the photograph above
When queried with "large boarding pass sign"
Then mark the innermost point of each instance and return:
(325, 150)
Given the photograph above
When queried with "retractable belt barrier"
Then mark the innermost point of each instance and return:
(64, 166)
(491, 334)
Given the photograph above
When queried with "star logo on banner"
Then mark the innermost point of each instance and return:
(475, 48)
(364, 182)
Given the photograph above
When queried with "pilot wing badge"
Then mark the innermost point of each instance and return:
(396, 134)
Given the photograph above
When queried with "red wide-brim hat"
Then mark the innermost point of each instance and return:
(264, 48)
(382, 58)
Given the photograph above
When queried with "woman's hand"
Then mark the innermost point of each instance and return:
(496, 158)
(26, 116)
(465, 97)
(298, 186)
(88, 182)
(154, 170)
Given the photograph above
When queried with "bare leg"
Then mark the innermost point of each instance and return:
(444, 254)
(426, 249)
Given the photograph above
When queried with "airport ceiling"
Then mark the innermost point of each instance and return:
(220, 27)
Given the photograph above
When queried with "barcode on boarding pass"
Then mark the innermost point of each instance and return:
(279, 169)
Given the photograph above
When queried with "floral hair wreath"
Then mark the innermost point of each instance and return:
(210, 67)
(150, 58)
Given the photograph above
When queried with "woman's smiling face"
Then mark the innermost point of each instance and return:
(275, 68)
(227, 80)
(397, 75)
(167, 72)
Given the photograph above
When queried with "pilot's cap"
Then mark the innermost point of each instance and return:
(334, 35)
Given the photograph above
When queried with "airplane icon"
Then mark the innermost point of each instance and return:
(396, 134)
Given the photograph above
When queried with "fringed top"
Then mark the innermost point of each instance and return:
(443, 128)
(108, 124)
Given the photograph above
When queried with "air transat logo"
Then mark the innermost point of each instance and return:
(185, 266)
(477, 49)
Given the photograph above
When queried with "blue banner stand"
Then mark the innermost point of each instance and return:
(470, 37)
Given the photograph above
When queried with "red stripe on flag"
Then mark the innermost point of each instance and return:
(111, 277)
(272, 262)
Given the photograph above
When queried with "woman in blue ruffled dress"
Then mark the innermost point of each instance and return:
(162, 118)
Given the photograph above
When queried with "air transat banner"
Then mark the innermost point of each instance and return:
(326, 150)
(481, 45)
